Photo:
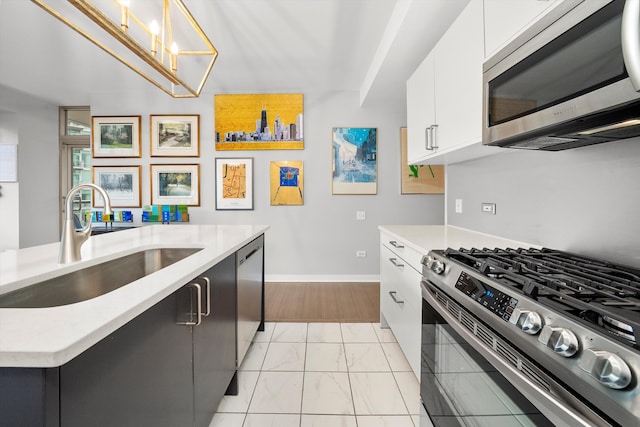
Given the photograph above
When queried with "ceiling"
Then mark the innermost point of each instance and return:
(277, 46)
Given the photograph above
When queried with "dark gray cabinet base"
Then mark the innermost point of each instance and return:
(150, 372)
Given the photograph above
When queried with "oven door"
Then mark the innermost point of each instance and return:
(464, 382)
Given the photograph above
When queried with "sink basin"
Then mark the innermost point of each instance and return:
(94, 281)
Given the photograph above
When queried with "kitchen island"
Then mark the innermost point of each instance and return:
(124, 356)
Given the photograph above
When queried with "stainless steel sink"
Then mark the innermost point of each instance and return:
(94, 281)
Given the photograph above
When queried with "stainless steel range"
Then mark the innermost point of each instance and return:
(529, 337)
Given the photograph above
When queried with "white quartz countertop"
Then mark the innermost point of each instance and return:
(49, 337)
(424, 238)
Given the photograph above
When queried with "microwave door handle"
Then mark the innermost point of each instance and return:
(630, 38)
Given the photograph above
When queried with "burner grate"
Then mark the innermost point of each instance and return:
(592, 290)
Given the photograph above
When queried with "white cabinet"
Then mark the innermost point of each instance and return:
(505, 19)
(421, 109)
(400, 296)
(444, 95)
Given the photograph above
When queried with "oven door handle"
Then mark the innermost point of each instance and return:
(549, 405)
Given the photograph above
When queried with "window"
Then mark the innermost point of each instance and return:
(75, 158)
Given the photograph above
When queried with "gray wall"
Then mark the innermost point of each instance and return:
(316, 241)
(583, 200)
(35, 122)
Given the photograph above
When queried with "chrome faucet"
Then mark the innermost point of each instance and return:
(72, 239)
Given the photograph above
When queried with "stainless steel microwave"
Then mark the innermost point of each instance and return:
(570, 80)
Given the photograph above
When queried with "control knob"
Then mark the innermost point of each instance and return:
(608, 368)
(560, 340)
(434, 265)
(529, 321)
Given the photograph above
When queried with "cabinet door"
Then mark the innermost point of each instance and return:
(214, 341)
(141, 375)
(420, 109)
(458, 75)
(504, 19)
(400, 305)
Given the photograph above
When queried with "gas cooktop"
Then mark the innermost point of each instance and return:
(600, 293)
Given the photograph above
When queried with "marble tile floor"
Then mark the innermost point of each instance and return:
(323, 375)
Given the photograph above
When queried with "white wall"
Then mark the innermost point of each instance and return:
(35, 124)
(316, 241)
(583, 200)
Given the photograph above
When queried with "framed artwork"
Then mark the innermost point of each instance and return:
(122, 184)
(286, 183)
(234, 184)
(175, 136)
(354, 164)
(115, 136)
(259, 122)
(175, 185)
(418, 179)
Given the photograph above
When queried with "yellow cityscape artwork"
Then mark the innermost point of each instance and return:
(259, 122)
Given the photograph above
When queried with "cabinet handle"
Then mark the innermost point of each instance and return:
(393, 297)
(427, 139)
(395, 262)
(395, 244)
(198, 289)
(207, 283)
(434, 137)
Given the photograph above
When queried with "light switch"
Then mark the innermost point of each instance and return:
(361, 215)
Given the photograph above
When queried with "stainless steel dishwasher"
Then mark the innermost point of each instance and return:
(250, 270)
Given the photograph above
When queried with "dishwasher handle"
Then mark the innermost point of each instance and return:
(247, 256)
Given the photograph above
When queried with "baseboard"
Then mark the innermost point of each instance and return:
(373, 278)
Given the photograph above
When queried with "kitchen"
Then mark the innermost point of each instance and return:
(573, 200)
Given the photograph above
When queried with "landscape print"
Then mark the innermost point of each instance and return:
(259, 122)
(122, 184)
(116, 135)
(355, 166)
(174, 184)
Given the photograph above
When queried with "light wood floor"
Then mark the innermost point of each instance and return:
(322, 302)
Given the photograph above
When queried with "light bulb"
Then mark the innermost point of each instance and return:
(154, 27)
(124, 15)
(173, 59)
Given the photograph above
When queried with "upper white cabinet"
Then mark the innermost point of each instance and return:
(421, 109)
(444, 95)
(505, 19)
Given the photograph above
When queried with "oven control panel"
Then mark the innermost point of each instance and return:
(501, 304)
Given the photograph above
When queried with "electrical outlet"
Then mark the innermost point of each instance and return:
(361, 215)
(489, 208)
(458, 205)
(361, 254)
